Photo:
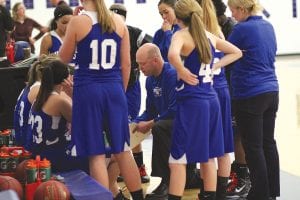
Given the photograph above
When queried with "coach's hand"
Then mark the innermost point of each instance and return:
(144, 126)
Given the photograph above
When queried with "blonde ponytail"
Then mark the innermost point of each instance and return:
(190, 12)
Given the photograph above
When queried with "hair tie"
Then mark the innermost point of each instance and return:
(192, 13)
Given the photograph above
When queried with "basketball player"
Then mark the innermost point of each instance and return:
(99, 102)
(239, 182)
(162, 37)
(133, 93)
(53, 40)
(49, 117)
(220, 85)
(197, 135)
(25, 100)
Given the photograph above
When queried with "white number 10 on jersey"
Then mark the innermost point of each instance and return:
(105, 46)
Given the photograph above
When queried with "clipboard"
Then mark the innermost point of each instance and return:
(136, 137)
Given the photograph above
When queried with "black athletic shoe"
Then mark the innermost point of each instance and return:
(160, 193)
(144, 176)
(238, 188)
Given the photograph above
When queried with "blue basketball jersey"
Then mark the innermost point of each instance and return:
(50, 134)
(197, 132)
(204, 89)
(98, 56)
(99, 101)
(52, 140)
(163, 40)
(56, 42)
(221, 86)
(219, 80)
(21, 115)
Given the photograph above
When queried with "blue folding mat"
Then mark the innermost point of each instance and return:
(84, 187)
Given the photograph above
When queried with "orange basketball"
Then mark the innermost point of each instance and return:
(21, 172)
(52, 190)
(10, 183)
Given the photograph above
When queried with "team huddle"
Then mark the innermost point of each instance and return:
(80, 120)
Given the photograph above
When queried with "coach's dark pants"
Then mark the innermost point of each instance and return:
(162, 133)
(255, 118)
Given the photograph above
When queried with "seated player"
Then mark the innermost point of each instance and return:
(24, 102)
(50, 117)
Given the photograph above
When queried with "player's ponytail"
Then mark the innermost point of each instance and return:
(190, 13)
(104, 17)
(209, 18)
(52, 74)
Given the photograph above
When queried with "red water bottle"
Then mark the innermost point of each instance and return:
(10, 52)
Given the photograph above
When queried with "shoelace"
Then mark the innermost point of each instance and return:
(232, 175)
(233, 184)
